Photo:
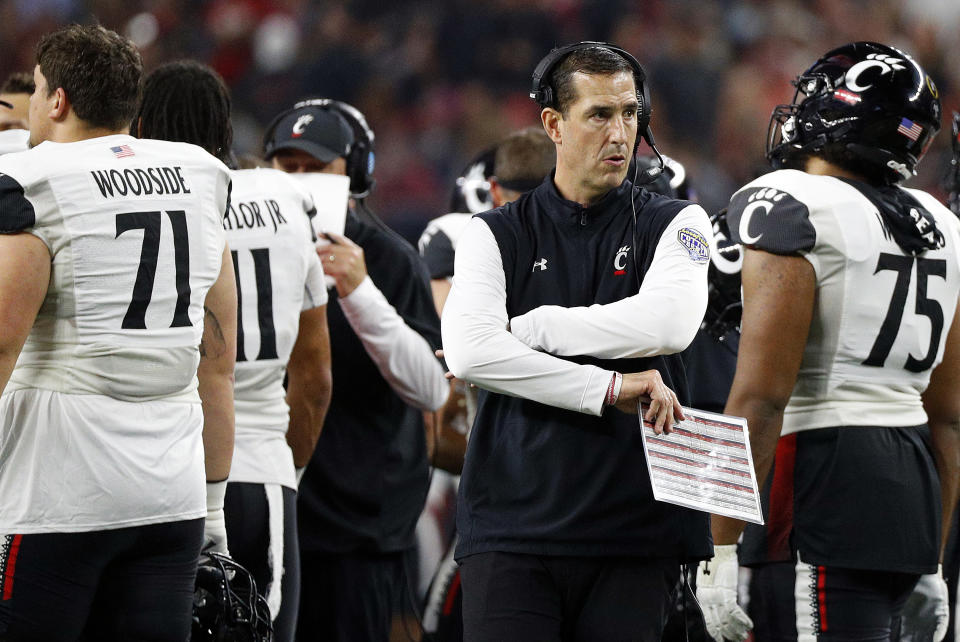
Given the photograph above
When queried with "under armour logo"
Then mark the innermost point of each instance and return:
(542, 264)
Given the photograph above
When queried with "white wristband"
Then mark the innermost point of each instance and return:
(215, 494)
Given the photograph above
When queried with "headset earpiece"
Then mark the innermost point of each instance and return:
(543, 93)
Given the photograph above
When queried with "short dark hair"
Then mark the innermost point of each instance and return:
(188, 102)
(590, 60)
(99, 70)
(19, 82)
(525, 156)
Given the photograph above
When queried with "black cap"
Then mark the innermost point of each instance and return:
(320, 132)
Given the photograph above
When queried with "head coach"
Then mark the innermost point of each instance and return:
(574, 298)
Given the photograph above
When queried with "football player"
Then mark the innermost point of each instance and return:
(113, 270)
(502, 173)
(14, 111)
(15, 94)
(850, 356)
(281, 329)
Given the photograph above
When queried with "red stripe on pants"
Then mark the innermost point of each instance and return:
(822, 596)
(11, 566)
(780, 519)
(452, 594)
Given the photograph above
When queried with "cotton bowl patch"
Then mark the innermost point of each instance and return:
(695, 244)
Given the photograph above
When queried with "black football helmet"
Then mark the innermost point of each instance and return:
(679, 180)
(953, 174)
(471, 195)
(661, 182)
(672, 179)
(226, 604)
(873, 100)
(724, 303)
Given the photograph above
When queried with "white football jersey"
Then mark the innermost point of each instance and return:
(278, 276)
(880, 315)
(101, 421)
(13, 140)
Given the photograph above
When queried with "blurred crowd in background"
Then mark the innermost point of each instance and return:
(440, 80)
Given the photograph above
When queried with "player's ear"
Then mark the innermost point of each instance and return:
(59, 104)
(496, 192)
(551, 118)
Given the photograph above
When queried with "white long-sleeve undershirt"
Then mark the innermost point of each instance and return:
(403, 357)
(662, 318)
(479, 348)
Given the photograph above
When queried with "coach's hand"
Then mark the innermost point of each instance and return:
(717, 593)
(215, 526)
(343, 260)
(649, 386)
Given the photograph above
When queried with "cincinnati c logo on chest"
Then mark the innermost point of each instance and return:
(620, 260)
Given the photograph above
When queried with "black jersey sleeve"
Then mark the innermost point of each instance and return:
(438, 254)
(16, 211)
(400, 274)
(770, 219)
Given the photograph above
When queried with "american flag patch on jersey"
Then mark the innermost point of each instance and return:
(910, 129)
(124, 150)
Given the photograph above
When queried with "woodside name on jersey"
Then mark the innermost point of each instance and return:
(150, 181)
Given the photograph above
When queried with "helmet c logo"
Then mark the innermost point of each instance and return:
(881, 61)
(470, 183)
(726, 249)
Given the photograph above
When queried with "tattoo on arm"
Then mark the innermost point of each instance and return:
(217, 344)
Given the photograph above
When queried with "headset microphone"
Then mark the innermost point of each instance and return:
(653, 172)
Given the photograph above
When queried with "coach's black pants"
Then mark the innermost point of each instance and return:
(349, 597)
(532, 598)
(125, 584)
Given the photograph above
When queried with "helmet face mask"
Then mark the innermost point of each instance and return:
(952, 182)
(864, 106)
(226, 604)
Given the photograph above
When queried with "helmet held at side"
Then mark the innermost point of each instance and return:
(226, 604)
(871, 102)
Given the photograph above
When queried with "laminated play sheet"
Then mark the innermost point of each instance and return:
(705, 463)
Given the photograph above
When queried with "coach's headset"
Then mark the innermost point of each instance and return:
(543, 93)
(360, 156)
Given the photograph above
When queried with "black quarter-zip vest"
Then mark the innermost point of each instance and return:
(548, 481)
